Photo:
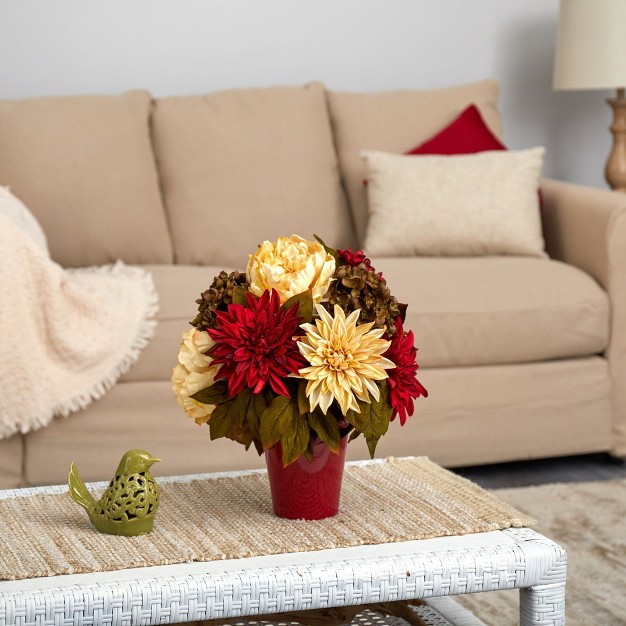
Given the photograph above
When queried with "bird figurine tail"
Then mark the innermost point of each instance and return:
(78, 491)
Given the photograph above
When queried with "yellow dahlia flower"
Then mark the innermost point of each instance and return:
(345, 360)
(291, 265)
(193, 373)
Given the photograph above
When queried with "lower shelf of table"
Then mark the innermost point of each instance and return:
(435, 612)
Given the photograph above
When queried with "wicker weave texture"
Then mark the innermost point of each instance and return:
(524, 559)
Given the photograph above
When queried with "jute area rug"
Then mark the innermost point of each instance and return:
(589, 520)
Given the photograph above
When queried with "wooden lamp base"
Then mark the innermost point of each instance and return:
(615, 170)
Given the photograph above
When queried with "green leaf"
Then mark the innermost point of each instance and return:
(308, 453)
(353, 435)
(220, 423)
(373, 420)
(217, 393)
(303, 402)
(240, 405)
(326, 427)
(228, 418)
(295, 441)
(239, 295)
(257, 405)
(305, 300)
(276, 419)
(328, 249)
(241, 434)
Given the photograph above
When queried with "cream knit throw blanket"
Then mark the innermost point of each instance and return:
(66, 336)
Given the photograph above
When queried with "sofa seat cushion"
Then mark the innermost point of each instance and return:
(236, 159)
(472, 415)
(178, 286)
(492, 310)
(463, 311)
(11, 462)
(85, 168)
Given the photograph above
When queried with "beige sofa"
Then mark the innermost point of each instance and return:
(523, 357)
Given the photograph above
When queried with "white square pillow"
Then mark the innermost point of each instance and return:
(471, 204)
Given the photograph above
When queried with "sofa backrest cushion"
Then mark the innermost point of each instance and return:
(241, 166)
(84, 166)
(397, 121)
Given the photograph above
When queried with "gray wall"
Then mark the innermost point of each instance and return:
(50, 47)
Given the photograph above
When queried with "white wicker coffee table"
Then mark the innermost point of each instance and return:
(427, 569)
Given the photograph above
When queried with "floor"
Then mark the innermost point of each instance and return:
(566, 469)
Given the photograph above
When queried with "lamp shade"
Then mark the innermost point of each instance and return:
(591, 45)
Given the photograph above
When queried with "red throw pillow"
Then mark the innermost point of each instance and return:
(467, 134)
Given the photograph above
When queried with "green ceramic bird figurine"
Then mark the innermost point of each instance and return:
(129, 503)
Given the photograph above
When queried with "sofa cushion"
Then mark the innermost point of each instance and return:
(12, 207)
(494, 413)
(463, 311)
(244, 165)
(473, 415)
(466, 204)
(84, 166)
(396, 121)
(492, 310)
(11, 462)
(149, 417)
(178, 286)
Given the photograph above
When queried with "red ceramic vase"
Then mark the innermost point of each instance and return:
(306, 489)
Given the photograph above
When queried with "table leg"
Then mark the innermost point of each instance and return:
(543, 605)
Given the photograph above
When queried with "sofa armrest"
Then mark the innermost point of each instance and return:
(580, 226)
(586, 227)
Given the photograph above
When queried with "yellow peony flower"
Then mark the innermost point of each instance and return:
(193, 373)
(291, 265)
(345, 360)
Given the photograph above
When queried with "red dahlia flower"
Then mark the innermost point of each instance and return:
(255, 345)
(403, 384)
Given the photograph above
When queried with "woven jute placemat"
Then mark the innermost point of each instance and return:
(213, 518)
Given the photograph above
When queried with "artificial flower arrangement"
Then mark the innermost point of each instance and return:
(307, 344)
